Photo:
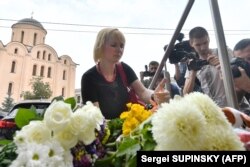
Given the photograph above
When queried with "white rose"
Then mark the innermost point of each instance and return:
(66, 138)
(57, 115)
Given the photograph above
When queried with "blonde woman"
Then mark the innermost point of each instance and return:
(103, 84)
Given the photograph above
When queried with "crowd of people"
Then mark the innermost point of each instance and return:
(103, 84)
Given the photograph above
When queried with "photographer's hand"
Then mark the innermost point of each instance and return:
(242, 82)
(214, 60)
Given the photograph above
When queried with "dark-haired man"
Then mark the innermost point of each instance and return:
(242, 50)
(209, 75)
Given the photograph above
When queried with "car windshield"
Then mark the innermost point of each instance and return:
(39, 107)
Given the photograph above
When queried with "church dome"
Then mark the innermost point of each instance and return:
(30, 21)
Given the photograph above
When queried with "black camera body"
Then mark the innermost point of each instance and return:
(239, 62)
(183, 52)
(147, 73)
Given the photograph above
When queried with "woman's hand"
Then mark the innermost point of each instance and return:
(161, 95)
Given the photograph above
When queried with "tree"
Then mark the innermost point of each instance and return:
(40, 90)
(8, 103)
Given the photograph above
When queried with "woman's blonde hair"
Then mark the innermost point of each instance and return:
(102, 37)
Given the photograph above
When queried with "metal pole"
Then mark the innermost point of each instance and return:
(172, 42)
(223, 56)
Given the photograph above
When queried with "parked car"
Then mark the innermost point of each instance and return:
(7, 123)
(2, 114)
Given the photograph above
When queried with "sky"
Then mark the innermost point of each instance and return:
(148, 25)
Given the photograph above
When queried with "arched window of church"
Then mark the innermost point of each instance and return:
(65, 61)
(63, 91)
(13, 66)
(49, 72)
(22, 36)
(49, 57)
(34, 40)
(34, 70)
(15, 51)
(42, 71)
(44, 54)
(38, 55)
(64, 74)
(10, 86)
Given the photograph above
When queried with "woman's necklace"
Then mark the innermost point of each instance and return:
(109, 78)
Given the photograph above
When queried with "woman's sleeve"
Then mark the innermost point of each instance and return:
(88, 91)
(131, 76)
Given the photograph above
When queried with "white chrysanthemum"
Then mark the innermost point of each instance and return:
(67, 159)
(20, 161)
(211, 111)
(66, 138)
(178, 126)
(35, 155)
(35, 131)
(57, 115)
(55, 154)
(219, 138)
(20, 139)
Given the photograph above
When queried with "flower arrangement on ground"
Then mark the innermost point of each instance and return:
(82, 137)
(55, 140)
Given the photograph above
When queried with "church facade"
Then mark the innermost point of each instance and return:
(27, 56)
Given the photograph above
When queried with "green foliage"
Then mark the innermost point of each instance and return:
(39, 90)
(123, 150)
(8, 103)
(24, 116)
(7, 154)
(71, 101)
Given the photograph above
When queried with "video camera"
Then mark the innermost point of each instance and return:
(239, 62)
(147, 73)
(183, 52)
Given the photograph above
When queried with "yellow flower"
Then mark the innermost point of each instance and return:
(135, 115)
(124, 115)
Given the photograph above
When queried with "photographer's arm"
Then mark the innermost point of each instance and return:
(189, 82)
(177, 74)
(141, 76)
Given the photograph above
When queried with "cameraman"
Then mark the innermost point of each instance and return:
(153, 65)
(242, 50)
(208, 75)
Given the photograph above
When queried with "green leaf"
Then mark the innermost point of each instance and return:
(105, 162)
(128, 146)
(132, 162)
(4, 142)
(71, 101)
(58, 98)
(24, 116)
(7, 154)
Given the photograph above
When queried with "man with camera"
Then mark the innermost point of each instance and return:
(206, 68)
(153, 65)
(242, 51)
